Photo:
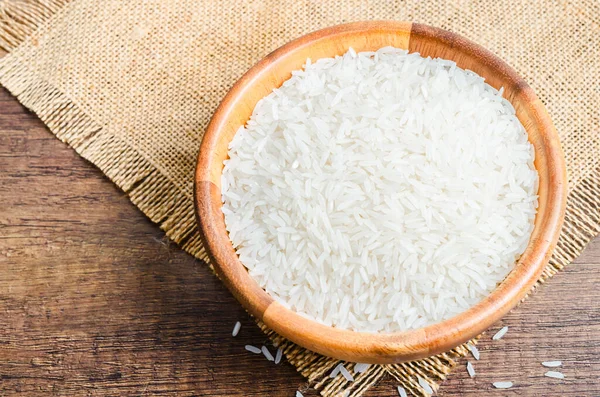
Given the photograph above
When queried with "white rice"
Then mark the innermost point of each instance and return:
(381, 191)
(346, 374)
(474, 351)
(336, 370)
(267, 353)
(253, 349)
(470, 369)
(402, 392)
(500, 333)
(359, 368)
(278, 355)
(425, 385)
(236, 329)
(502, 385)
(552, 364)
(555, 374)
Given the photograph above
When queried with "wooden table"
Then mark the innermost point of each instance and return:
(94, 300)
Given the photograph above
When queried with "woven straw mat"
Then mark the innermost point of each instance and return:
(132, 85)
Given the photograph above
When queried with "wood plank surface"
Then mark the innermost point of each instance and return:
(94, 300)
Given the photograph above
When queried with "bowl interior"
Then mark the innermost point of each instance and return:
(270, 73)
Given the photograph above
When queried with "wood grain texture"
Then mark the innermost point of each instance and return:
(270, 73)
(94, 301)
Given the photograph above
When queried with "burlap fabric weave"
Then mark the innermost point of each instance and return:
(131, 86)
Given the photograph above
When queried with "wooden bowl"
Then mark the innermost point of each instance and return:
(270, 73)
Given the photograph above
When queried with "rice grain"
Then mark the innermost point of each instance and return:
(336, 370)
(470, 369)
(500, 333)
(359, 368)
(502, 385)
(253, 349)
(267, 353)
(236, 329)
(474, 351)
(402, 392)
(554, 374)
(346, 374)
(278, 355)
(552, 364)
(425, 385)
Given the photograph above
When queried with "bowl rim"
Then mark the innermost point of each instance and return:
(382, 347)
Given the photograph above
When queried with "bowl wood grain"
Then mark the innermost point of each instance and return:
(270, 73)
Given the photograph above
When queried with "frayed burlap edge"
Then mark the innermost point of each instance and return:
(164, 203)
(18, 19)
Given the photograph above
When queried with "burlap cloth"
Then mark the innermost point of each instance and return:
(131, 86)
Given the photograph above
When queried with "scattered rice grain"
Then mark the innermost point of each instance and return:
(552, 364)
(267, 353)
(502, 385)
(252, 349)
(402, 392)
(555, 374)
(425, 385)
(236, 329)
(500, 333)
(359, 368)
(336, 370)
(474, 350)
(346, 374)
(470, 369)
